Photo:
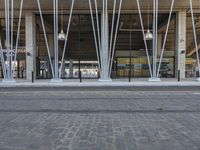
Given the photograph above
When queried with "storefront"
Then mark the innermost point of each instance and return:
(99, 39)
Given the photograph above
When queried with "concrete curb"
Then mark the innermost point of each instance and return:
(98, 84)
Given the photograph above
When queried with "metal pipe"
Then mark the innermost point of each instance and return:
(165, 38)
(98, 25)
(145, 42)
(102, 34)
(154, 54)
(11, 47)
(111, 34)
(95, 37)
(55, 6)
(2, 58)
(9, 50)
(156, 39)
(106, 25)
(115, 37)
(66, 37)
(7, 42)
(18, 33)
(45, 36)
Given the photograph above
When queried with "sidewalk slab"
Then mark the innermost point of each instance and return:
(47, 83)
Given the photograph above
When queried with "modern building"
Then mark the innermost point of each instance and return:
(105, 39)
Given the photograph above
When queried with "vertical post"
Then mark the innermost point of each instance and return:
(30, 45)
(179, 79)
(80, 76)
(105, 43)
(32, 77)
(180, 42)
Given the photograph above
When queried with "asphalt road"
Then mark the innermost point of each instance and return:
(107, 88)
(100, 118)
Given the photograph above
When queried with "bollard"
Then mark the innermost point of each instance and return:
(198, 74)
(129, 76)
(32, 77)
(179, 78)
(80, 76)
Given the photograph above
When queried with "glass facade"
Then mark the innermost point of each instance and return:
(102, 39)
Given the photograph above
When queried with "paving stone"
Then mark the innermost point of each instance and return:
(99, 120)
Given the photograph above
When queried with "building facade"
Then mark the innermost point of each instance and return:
(104, 39)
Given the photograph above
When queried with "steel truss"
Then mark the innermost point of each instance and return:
(117, 5)
(56, 72)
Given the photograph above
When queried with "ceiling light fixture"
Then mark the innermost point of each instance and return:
(61, 35)
(148, 35)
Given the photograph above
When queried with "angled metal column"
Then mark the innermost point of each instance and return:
(97, 38)
(56, 77)
(11, 47)
(195, 39)
(9, 39)
(2, 58)
(66, 38)
(46, 39)
(165, 38)
(143, 33)
(155, 41)
(113, 35)
(105, 43)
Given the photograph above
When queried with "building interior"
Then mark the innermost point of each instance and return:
(80, 53)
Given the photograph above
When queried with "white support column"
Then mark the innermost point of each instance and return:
(180, 42)
(104, 47)
(30, 45)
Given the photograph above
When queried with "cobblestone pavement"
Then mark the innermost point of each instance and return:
(100, 119)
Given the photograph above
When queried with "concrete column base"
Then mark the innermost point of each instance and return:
(8, 81)
(56, 80)
(105, 80)
(154, 79)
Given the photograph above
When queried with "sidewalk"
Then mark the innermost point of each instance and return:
(95, 82)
